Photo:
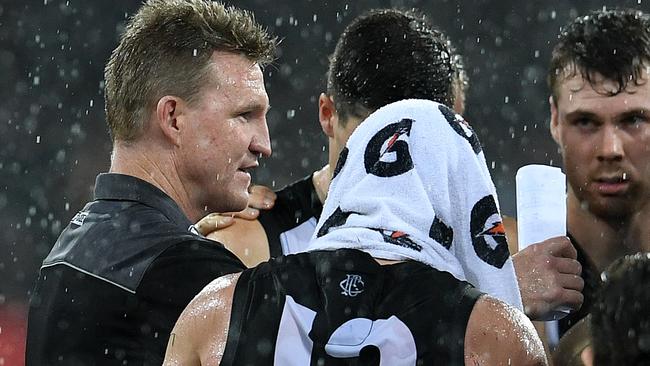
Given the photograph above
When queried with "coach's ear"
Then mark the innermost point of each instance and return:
(168, 117)
(327, 114)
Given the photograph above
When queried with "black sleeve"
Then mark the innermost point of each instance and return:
(172, 281)
(295, 204)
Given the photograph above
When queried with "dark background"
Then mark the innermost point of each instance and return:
(53, 138)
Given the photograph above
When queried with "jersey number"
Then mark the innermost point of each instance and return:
(294, 347)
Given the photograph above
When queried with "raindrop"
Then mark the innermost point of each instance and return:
(38, 139)
(37, 80)
(291, 113)
(194, 52)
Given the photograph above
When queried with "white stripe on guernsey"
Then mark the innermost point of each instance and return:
(297, 239)
(89, 274)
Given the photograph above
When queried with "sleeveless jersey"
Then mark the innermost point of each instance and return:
(290, 224)
(342, 308)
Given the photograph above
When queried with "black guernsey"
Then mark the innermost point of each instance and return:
(290, 224)
(591, 276)
(118, 277)
(343, 308)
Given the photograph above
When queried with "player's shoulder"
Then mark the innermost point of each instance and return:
(498, 333)
(222, 287)
(201, 330)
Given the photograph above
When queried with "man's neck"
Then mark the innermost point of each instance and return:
(154, 168)
(321, 181)
(606, 240)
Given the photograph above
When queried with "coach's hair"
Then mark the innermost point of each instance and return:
(166, 50)
(614, 43)
(619, 320)
(386, 55)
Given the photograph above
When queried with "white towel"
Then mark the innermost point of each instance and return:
(412, 183)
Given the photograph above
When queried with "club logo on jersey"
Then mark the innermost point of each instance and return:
(79, 218)
(399, 238)
(488, 233)
(352, 285)
(461, 127)
(387, 153)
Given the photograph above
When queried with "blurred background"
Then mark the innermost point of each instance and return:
(54, 141)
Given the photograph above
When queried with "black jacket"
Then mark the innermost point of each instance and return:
(118, 277)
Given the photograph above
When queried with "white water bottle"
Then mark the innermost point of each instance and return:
(541, 209)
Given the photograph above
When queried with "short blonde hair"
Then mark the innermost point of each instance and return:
(166, 50)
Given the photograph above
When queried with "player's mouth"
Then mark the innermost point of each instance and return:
(613, 185)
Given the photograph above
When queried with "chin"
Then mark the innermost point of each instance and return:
(611, 208)
(237, 201)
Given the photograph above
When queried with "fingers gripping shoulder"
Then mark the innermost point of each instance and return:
(499, 334)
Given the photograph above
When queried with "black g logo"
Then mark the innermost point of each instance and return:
(375, 159)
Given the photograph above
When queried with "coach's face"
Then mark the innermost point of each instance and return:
(227, 134)
(605, 143)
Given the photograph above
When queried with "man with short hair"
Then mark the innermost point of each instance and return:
(600, 118)
(186, 108)
(410, 204)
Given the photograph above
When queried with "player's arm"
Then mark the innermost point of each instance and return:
(200, 334)
(498, 334)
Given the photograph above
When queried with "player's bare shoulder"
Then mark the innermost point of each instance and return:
(499, 334)
(199, 336)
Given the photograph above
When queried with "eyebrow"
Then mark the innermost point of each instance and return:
(634, 112)
(581, 113)
(584, 113)
(253, 106)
